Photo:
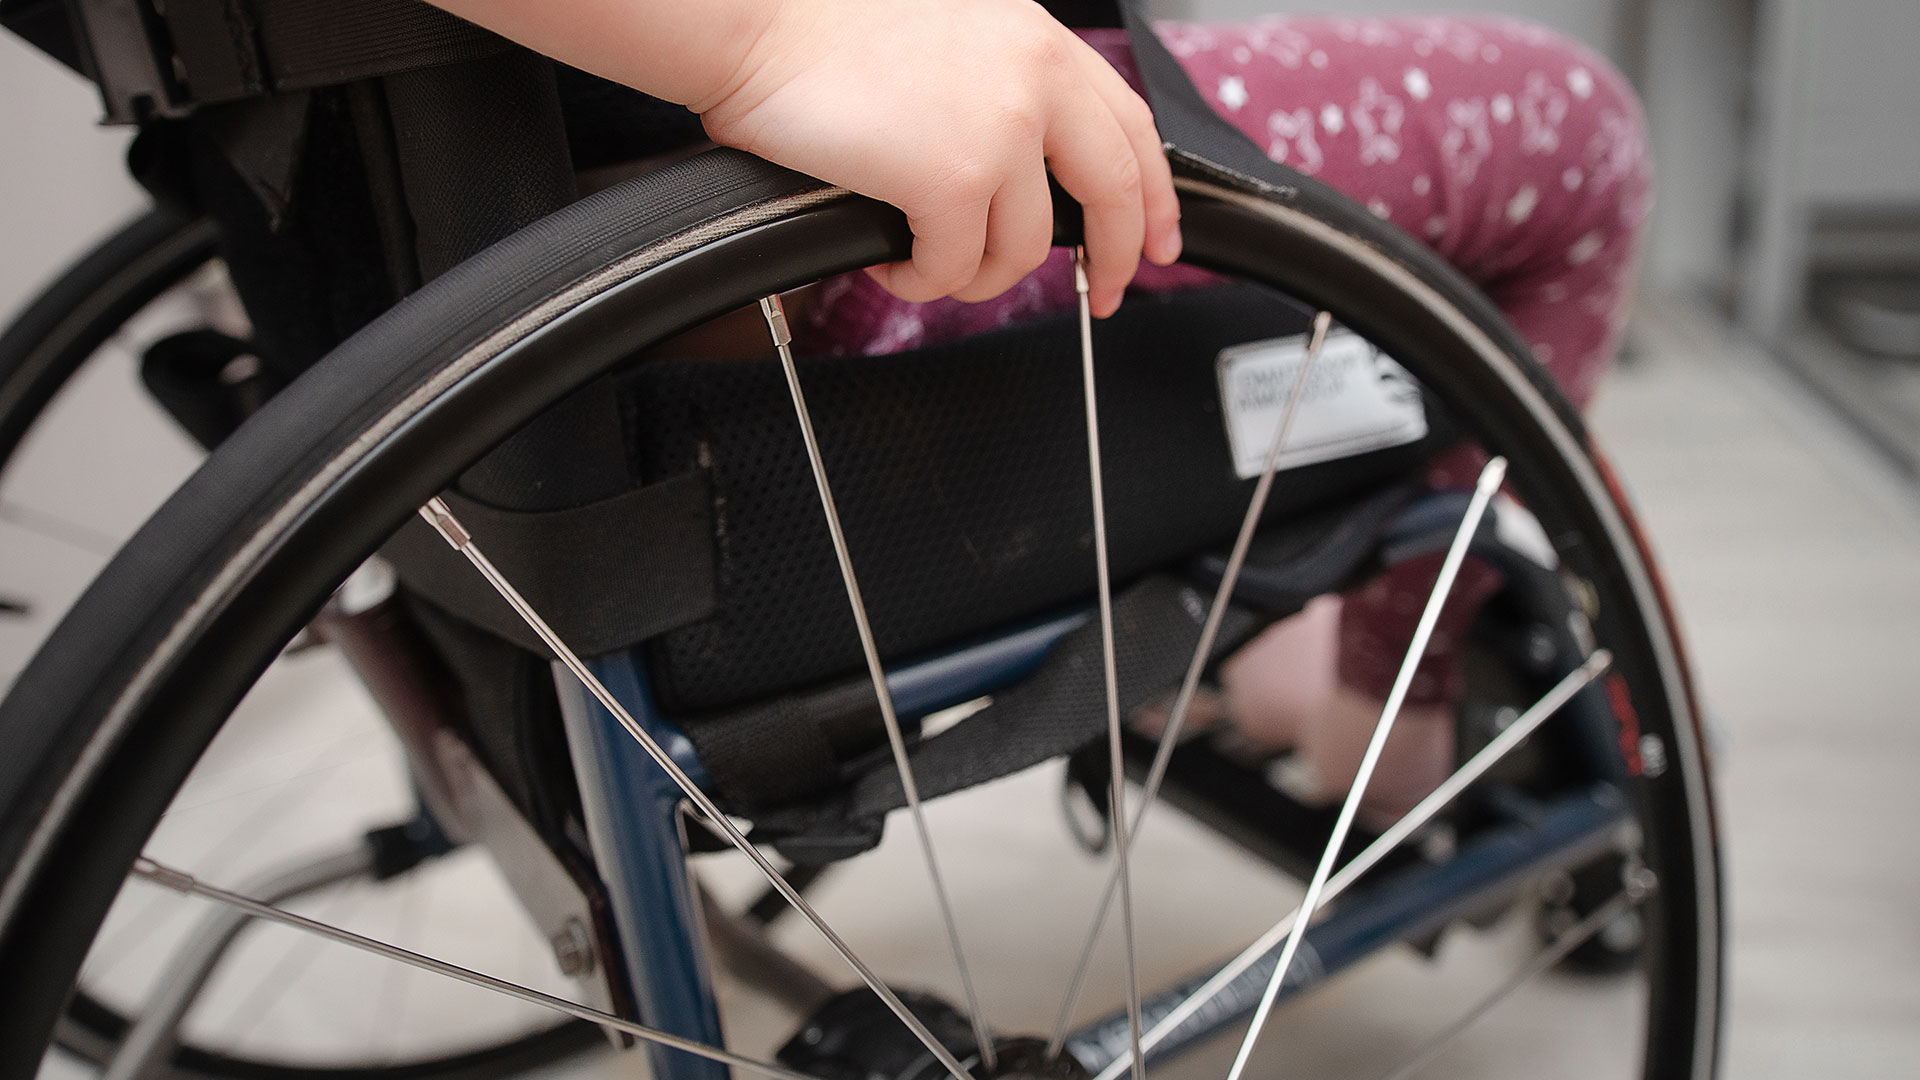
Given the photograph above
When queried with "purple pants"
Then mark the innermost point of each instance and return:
(1516, 154)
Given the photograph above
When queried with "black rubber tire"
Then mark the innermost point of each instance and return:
(110, 716)
(51, 340)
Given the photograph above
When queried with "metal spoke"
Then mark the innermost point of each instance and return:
(1424, 811)
(59, 529)
(1117, 777)
(1483, 492)
(448, 526)
(1170, 735)
(1638, 888)
(776, 316)
(185, 883)
(150, 1039)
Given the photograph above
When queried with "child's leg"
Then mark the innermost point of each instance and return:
(1519, 156)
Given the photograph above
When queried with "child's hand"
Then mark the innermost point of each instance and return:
(952, 110)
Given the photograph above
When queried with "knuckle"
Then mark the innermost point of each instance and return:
(966, 184)
(1045, 51)
(1019, 123)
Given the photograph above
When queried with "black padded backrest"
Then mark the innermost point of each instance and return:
(961, 477)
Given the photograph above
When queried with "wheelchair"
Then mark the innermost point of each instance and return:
(661, 695)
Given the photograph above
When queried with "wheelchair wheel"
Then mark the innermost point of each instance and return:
(124, 295)
(52, 339)
(62, 328)
(110, 717)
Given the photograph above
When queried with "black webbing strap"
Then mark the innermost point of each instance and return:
(1056, 710)
(1288, 566)
(235, 49)
(635, 565)
(1189, 127)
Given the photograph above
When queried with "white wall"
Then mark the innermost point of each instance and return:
(63, 183)
(1695, 79)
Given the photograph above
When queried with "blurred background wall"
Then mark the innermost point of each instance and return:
(62, 184)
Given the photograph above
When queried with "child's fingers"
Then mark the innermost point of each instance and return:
(1097, 165)
(948, 239)
(1161, 204)
(1019, 234)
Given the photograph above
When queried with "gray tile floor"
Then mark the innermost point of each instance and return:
(1795, 560)
(1796, 565)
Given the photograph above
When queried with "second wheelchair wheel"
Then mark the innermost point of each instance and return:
(147, 307)
(111, 717)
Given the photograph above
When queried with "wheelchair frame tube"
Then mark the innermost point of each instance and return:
(637, 831)
(1416, 902)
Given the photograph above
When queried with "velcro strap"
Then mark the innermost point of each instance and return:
(605, 575)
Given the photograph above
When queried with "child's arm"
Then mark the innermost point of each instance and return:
(951, 110)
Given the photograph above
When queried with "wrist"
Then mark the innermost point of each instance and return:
(692, 54)
(756, 29)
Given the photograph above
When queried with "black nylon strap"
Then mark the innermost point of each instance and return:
(637, 564)
(230, 50)
(1288, 566)
(1190, 129)
(308, 43)
(1056, 710)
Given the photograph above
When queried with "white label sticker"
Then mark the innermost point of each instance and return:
(1357, 399)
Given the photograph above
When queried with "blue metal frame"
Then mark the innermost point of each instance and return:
(636, 828)
(1414, 903)
(637, 832)
(635, 825)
